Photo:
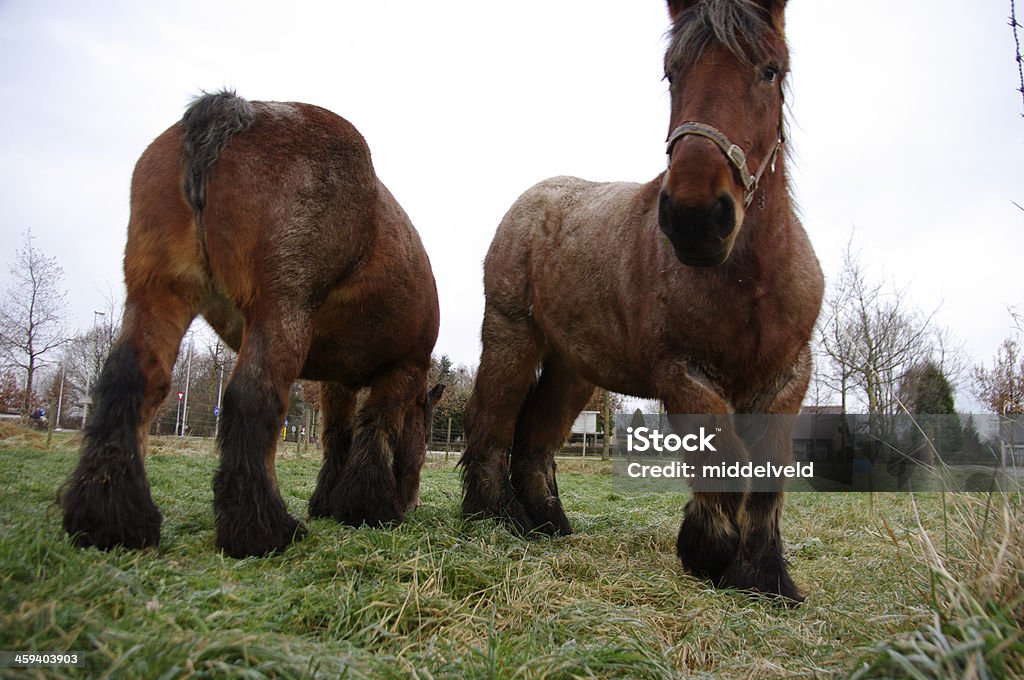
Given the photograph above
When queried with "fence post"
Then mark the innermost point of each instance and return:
(448, 440)
(606, 407)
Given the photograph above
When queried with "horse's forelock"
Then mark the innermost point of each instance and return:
(741, 26)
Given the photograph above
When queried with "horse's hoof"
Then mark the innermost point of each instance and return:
(538, 496)
(249, 516)
(771, 580)
(550, 518)
(142, 531)
(261, 541)
(319, 505)
(510, 512)
(97, 515)
(365, 495)
(706, 551)
(372, 515)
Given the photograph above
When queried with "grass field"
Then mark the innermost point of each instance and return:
(440, 597)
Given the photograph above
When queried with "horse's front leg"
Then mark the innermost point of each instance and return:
(709, 535)
(338, 404)
(366, 491)
(759, 563)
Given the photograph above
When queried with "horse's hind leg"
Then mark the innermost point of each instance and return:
(249, 514)
(512, 350)
(106, 501)
(338, 404)
(367, 491)
(543, 425)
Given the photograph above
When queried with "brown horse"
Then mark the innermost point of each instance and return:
(266, 218)
(699, 288)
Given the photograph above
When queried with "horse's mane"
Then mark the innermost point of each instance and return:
(740, 26)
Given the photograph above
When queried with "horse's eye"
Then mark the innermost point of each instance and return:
(770, 74)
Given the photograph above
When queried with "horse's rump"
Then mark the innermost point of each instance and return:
(267, 219)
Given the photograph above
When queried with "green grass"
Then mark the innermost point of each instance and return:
(442, 597)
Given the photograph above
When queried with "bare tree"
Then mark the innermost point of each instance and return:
(32, 314)
(1001, 388)
(1015, 25)
(311, 414)
(86, 352)
(869, 338)
(605, 403)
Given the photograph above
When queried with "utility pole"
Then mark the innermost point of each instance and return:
(188, 379)
(220, 392)
(606, 414)
(92, 369)
(60, 396)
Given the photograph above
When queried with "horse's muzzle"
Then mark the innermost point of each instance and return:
(701, 235)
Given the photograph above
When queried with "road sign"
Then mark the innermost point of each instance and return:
(180, 395)
(216, 410)
(586, 423)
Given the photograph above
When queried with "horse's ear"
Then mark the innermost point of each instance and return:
(435, 393)
(777, 10)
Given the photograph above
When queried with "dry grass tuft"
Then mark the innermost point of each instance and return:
(974, 562)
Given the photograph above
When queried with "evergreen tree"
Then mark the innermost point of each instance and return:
(930, 400)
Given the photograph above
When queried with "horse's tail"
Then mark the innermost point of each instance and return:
(209, 123)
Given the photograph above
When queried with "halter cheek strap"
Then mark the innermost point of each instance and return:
(734, 153)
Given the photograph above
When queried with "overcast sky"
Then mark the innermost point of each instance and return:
(906, 129)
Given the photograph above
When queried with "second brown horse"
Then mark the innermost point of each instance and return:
(699, 288)
(268, 220)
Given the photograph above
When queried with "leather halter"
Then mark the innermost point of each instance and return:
(733, 152)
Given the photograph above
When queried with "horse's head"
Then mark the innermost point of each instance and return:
(434, 395)
(411, 479)
(725, 66)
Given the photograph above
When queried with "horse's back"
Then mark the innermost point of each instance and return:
(588, 265)
(292, 219)
(565, 226)
(569, 207)
(298, 180)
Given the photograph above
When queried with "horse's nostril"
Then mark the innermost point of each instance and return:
(723, 215)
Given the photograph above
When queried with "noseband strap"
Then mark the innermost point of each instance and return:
(734, 153)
